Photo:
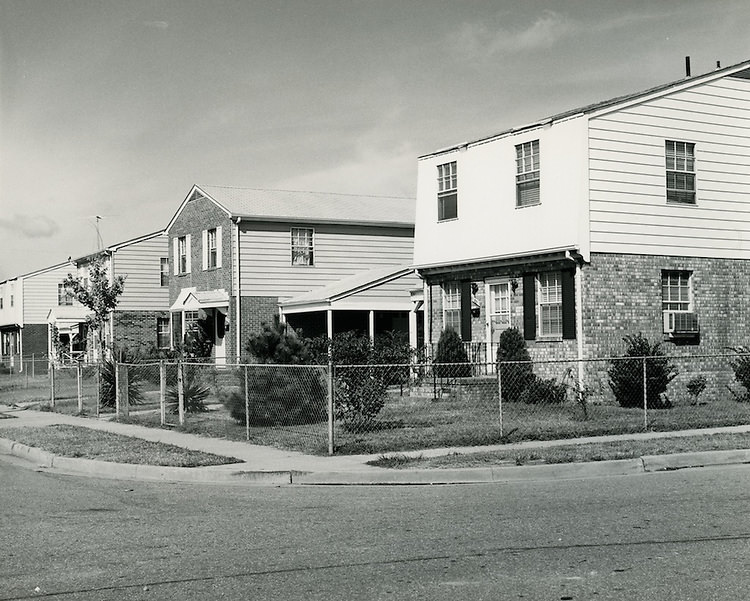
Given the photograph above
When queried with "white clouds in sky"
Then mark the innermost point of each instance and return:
(30, 226)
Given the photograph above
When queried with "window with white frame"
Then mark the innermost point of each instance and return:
(183, 255)
(527, 174)
(676, 293)
(164, 271)
(211, 252)
(64, 296)
(680, 161)
(452, 306)
(302, 246)
(550, 304)
(162, 332)
(447, 191)
(499, 306)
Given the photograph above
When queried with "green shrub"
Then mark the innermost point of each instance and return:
(515, 378)
(626, 375)
(194, 392)
(278, 343)
(541, 391)
(107, 387)
(451, 360)
(359, 396)
(741, 367)
(696, 386)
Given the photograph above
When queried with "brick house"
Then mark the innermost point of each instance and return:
(237, 254)
(629, 215)
(140, 322)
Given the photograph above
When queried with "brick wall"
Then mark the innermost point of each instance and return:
(255, 311)
(136, 330)
(35, 339)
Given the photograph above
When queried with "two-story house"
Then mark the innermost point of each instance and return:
(238, 254)
(629, 215)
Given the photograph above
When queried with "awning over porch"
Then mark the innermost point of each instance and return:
(191, 299)
(67, 318)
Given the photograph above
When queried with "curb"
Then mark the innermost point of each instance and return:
(235, 474)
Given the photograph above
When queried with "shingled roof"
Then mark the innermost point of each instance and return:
(321, 207)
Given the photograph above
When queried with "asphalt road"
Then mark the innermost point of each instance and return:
(669, 536)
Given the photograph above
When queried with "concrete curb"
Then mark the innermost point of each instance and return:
(236, 474)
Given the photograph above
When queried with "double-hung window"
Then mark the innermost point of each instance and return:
(680, 161)
(162, 332)
(678, 312)
(447, 191)
(452, 306)
(211, 250)
(164, 271)
(527, 174)
(302, 246)
(64, 296)
(182, 255)
(550, 304)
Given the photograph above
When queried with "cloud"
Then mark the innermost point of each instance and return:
(477, 40)
(31, 226)
(156, 24)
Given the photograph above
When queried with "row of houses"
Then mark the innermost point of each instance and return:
(628, 215)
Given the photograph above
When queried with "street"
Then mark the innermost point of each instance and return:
(669, 536)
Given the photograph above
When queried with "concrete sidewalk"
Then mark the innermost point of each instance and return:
(270, 466)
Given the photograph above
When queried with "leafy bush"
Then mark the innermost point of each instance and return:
(450, 358)
(514, 377)
(392, 348)
(741, 368)
(194, 392)
(359, 396)
(696, 386)
(626, 375)
(541, 391)
(107, 383)
(278, 343)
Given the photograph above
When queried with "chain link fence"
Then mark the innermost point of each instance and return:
(397, 407)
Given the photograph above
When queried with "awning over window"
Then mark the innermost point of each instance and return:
(191, 299)
(66, 318)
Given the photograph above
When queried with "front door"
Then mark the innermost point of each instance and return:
(220, 347)
(498, 311)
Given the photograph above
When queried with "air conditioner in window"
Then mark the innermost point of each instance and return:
(680, 323)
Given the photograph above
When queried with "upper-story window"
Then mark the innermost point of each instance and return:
(212, 248)
(302, 246)
(64, 296)
(527, 174)
(452, 306)
(680, 160)
(182, 255)
(164, 271)
(447, 191)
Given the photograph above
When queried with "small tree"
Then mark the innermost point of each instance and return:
(626, 375)
(515, 377)
(98, 294)
(451, 358)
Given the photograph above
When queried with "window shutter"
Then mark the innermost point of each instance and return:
(204, 250)
(176, 256)
(187, 251)
(466, 310)
(567, 282)
(218, 246)
(529, 306)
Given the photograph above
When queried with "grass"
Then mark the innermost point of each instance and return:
(628, 449)
(87, 443)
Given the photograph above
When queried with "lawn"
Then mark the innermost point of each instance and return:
(87, 443)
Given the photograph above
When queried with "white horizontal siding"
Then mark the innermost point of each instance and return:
(266, 268)
(40, 293)
(627, 174)
(140, 264)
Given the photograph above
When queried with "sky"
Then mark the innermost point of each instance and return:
(116, 108)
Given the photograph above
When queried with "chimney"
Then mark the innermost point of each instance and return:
(687, 66)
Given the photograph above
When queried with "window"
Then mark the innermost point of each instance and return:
(302, 246)
(447, 191)
(164, 271)
(162, 332)
(211, 248)
(676, 292)
(182, 254)
(527, 174)
(550, 304)
(452, 306)
(680, 159)
(64, 296)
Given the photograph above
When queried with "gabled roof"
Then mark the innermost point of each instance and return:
(257, 204)
(117, 246)
(740, 71)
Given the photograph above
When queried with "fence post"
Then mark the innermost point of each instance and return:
(500, 396)
(116, 368)
(51, 370)
(247, 408)
(79, 377)
(162, 392)
(125, 395)
(98, 387)
(330, 405)
(180, 393)
(645, 397)
(33, 365)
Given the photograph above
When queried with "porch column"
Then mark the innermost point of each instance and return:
(371, 326)
(413, 329)
(329, 323)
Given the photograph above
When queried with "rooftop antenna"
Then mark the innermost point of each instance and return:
(687, 66)
(99, 242)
